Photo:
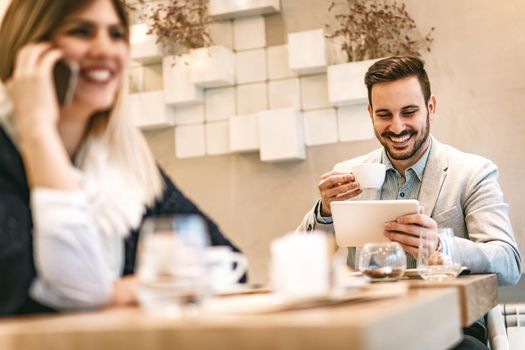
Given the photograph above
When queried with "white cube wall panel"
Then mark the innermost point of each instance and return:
(251, 98)
(178, 88)
(307, 53)
(284, 93)
(190, 141)
(188, 114)
(217, 138)
(346, 82)
(354, 123)
(320, 127)
(213, 66)
(249, 33)
(314, 93)
(220, 103)
(281, 135)
(225, 9)
(148, 111)
(250, 66)
(221, 33)
(277, 60)
(144, 47)
(244, 133)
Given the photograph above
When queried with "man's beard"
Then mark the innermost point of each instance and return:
(418, 143)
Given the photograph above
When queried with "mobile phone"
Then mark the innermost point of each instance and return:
(65, 74)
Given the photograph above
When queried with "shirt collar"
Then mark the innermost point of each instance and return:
(417, 168)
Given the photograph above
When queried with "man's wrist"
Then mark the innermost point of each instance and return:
(322, 212)
(319, 217)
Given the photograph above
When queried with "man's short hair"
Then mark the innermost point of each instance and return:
(395, 68)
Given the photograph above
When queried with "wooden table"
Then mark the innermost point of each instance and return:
(424, 318)
(478, 294)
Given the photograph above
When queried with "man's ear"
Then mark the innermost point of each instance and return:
(370, 111)
(431, 107)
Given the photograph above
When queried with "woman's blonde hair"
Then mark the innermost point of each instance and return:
(27, 21)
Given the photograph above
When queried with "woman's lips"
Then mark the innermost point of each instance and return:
(97, 75)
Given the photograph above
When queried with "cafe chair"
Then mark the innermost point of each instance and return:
(496, 330)
(515, 323)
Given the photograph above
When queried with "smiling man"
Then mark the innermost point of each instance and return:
(454, 189)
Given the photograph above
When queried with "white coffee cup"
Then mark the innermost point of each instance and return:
(299, 265)
(226, 267)
(369, 175)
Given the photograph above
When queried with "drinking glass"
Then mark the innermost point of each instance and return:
(437, 264)
(382, 261)
(172, 269)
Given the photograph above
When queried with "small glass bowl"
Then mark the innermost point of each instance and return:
(381, 262)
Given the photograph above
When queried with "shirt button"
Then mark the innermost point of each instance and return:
(402, 194)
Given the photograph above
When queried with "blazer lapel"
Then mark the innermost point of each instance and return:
(433, 177)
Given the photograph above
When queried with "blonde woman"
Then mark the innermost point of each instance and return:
(76, 181)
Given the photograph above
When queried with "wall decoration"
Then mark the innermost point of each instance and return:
(244, 133)
(228, 9)
(178, 25)
(243, 96)
(307, 52)
(281, 135)
(373, 29)
(366, 31)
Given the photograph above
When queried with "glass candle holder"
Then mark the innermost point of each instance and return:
(382, 261)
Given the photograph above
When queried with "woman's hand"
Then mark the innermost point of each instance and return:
(125, 291)
(32, 90)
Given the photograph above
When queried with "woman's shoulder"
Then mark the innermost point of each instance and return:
(171, 200)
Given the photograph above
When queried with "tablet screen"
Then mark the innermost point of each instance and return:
(359, 222)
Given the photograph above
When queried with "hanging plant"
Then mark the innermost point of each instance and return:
(368, 29)
(180, 25)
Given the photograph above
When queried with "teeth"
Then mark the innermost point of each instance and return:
(98, 75)
(400, 139)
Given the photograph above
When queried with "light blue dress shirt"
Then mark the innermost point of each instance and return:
(395, 187)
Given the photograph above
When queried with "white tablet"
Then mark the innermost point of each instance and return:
(359, 222)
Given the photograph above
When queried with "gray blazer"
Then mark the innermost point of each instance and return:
(460, 191)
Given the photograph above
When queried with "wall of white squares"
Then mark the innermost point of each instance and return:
(241, 95)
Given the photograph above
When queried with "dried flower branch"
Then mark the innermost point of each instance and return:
(180, 25)
(373, 29)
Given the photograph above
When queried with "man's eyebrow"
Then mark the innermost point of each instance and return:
(411, 107)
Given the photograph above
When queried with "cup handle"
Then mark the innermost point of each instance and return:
(240, 268)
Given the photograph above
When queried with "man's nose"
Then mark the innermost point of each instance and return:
(397, 125)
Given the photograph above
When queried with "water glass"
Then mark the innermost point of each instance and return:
(172, 269)
(382, 261)
(436, 259)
